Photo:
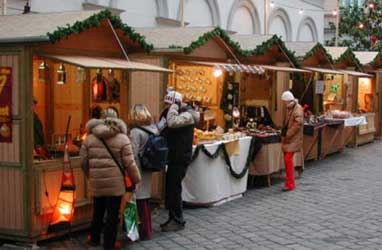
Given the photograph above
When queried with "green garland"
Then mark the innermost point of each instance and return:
(227, 160)
(95, 21)
(349, 53)
(267, 45)
(206, 37)
(315, 49)
(376, 59)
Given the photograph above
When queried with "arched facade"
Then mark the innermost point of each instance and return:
(279, 23)
(244, 18)
(207, 12)
(307, 30)
(162, 8)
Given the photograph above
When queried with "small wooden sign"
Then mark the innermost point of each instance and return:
(5, 104)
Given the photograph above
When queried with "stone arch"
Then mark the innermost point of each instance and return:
(162, 8)
(311, 25)
(254, 15)
(281, 14)
(212, 8)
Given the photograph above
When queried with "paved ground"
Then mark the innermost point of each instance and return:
(337, 205)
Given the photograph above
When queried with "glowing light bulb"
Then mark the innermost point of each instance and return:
(371, 5)
(361, 26)
(272, 4)
(301, 11)
(217, 72)
(334, 12)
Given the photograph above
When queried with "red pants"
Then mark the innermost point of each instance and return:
(289, 170)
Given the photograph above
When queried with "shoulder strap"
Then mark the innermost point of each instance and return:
(112, 156)
(146, 130)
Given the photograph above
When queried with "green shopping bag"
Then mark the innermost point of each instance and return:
(130, 217)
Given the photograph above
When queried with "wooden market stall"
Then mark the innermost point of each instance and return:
(369, 96)
(52, 73)
(309, 91)
(359, 91)
(263, 92)
(205, 63)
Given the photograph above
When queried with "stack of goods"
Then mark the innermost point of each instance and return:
(218, 134)
(338, 114)
(313, 120)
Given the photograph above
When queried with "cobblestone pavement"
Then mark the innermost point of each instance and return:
(337, 205)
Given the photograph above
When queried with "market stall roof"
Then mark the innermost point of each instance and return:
(54, 27)
(366, 57)
(306, 50)
(344, 55)
(355, 73)
(284, 69)
(324, 71)
(260, 45)
(35, 27)
(254, 69)
(187, 39)
(106, 63)
(231, 67)
(300, 48)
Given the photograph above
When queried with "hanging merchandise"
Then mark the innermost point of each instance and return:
(99, 85)
(113, 88)
(230, 99)
(43, 72)
(61, 75)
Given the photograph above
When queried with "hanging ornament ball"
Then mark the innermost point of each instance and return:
(374, 40)
(5, 131)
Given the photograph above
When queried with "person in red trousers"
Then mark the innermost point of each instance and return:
(292, 136)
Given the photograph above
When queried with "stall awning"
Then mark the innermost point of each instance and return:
(324, 71)
(284, 69)
(232, 67)
(107, 63)
(355, 73)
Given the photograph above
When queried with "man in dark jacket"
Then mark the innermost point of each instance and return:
(180, 122)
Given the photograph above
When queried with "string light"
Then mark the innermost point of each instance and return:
(217, 72)
(371, 5)
(301, 11)
(335, 13)
(272, 4)
(361, 26)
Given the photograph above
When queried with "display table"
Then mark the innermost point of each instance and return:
(312, 141)
(210, 182)
(366, 132)
(332, 137)
(267, 156)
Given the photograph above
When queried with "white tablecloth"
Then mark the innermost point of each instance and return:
(355, 121)
(209, 182)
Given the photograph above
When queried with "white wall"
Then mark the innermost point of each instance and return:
(243, 16)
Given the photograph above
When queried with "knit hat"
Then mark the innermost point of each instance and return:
(287, 96)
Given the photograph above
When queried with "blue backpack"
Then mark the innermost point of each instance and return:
(154, 154)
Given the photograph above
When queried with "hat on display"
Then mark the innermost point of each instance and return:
(287, 96)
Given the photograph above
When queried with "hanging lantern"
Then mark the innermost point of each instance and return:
(81, 75)
(43, 71)
(64, 210)
(61, 75)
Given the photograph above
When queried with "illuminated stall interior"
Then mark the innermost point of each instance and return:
(263, 92)
(62, 89)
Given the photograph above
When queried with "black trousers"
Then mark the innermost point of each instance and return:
(174, 176)
(109, 205)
